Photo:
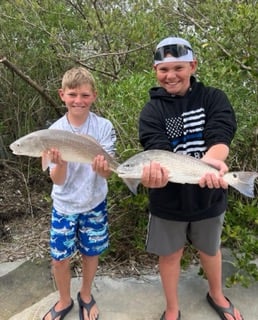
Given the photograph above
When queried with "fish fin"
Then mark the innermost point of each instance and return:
(45, 161)
(132, 184)
(245, 182)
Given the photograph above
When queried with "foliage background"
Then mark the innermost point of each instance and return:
(40, 40)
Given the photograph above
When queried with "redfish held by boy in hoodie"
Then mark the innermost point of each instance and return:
(184, 169)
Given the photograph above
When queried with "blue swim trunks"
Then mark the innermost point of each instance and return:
(86, 232)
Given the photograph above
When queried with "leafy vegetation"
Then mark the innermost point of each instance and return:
(40, 40)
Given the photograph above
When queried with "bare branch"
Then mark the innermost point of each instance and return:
(32, 83)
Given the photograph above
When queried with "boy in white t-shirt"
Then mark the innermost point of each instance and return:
(79, 214)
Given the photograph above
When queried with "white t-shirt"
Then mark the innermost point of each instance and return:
(83, 189)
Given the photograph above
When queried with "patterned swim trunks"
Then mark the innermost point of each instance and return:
(87, 232)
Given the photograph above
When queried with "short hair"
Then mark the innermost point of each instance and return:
(76, 77)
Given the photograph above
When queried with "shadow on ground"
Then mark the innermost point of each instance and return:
(20, 288)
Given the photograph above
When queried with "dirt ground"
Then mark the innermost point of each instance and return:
(24, 215)
(25, 206)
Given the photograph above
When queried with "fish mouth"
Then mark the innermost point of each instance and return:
(14, 150)
(11, 146)
(17, 153)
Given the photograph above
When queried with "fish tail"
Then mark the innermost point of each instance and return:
(132, 184)
(245, 182)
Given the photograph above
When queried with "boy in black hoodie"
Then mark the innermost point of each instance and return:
(184, 116)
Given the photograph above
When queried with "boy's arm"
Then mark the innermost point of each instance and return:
(100, 165)
(218, 151)
(107, 139)
(215, 156)
(58, 172)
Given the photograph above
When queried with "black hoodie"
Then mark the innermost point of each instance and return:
(188, 124)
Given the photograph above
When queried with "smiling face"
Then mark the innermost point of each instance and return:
(78, 100)
(174, 77)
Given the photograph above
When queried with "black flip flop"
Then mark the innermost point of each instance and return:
(84, 305)
(163, 316)
(62, 313)
(220, 310)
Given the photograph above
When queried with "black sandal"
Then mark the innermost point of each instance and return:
(62, 313)
(220, 310)
(84, 305)
(163, 316)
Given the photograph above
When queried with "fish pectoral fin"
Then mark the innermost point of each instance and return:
(45, 160)
(132, 184)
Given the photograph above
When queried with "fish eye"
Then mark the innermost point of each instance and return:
(234, 175)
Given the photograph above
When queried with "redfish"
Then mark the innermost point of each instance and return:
(184, 169)
(73, 148)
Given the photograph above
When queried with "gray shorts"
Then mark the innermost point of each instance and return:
(165, 237)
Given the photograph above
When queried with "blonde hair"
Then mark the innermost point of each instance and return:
(76, 77)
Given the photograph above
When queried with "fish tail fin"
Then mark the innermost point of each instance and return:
(132, 184)
(245, 182)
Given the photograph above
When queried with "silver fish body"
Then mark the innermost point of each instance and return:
(73, 148)
(184, 169)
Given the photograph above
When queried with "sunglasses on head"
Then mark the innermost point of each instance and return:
(175, 50)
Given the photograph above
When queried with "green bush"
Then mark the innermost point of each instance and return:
(44, 38)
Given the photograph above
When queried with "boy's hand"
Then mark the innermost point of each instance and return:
(101, 166)
(210, 180)
(154, 176)
(53, 155)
